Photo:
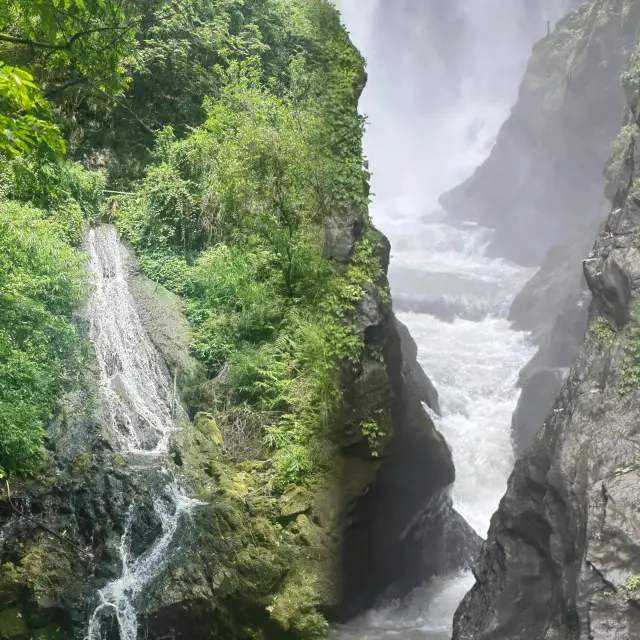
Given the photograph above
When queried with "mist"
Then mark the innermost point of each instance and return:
(442, 78)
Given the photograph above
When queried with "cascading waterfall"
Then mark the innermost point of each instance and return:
(442, 77)
(143, 412)
(132, 376)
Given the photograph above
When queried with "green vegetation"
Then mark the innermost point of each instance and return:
(630, 79)
(630, 374)
(41, 281)
(233, 126)
(633, 584)
(232, 218)
(617, 170)
(602, 331)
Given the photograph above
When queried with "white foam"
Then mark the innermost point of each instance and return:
(137, 391)
(429, 129)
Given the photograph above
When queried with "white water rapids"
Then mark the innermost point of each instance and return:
(139, 397)
(442, 78)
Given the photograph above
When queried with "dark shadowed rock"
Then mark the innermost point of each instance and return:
(414, 373)
(538, 395)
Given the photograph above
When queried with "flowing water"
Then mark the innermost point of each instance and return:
(143, 412)
(442, 78)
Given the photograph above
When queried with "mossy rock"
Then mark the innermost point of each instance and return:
(206, 425)
(81, 463)
(12, 624)
(118, 461)
(50, 632)
(296, 500)
(309, 533)
(295, 606)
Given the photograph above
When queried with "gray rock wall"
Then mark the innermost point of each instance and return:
(562, 556)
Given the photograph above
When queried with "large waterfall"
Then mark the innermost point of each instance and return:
(143, 412)
(442, 78)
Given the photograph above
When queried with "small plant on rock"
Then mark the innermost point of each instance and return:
(602, 331)
(633, 583)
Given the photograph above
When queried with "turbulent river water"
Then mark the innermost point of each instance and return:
(442, 78)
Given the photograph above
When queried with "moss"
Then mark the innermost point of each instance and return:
(295, 607)
(206, 425)
(310, 534)
(630, 373)
(12, 624)
(118, 461)
(81, 463)
(296, 500)
(44, 569)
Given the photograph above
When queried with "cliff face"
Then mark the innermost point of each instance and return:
(543, 191)
(542, 182)
(562, 555)
(400, 528)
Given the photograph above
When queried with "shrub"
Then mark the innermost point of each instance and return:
(42, 280)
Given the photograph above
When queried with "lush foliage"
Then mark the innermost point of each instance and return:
(234, 125)
(44, 203)
(40, 282)
(22, 112)
(232, 217)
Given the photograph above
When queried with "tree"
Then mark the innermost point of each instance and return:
(23, 110)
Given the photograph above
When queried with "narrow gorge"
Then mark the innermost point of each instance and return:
(303, 330)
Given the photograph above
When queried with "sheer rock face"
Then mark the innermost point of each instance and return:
(542, 188)
(543, 180)
(564, 545)
(399, 527)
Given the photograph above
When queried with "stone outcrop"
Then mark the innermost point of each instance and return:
(562, 558)
(542, 182)
(542, 187)
(399, 525)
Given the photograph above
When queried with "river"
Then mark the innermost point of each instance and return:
(442, 79)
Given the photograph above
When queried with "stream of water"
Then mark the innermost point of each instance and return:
(442, 78)
(143, 412)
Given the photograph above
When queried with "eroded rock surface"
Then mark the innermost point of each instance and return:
(563, 552)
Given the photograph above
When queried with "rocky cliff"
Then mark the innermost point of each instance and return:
(543, 191)
(542, 182)
(561, 557)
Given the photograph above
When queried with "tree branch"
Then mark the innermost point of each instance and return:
(39, 524)
(59, 47)
(64, 87)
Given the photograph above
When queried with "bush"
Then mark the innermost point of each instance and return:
(52, 184)
(42, 280)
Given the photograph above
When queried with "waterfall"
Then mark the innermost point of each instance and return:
(137, 391)
(133, 378)
(442, 78)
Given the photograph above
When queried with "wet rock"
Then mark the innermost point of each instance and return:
(542, 182)
(563, 550)
(414, 373)
(610, 284)
(536, 400)
(341, 233)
